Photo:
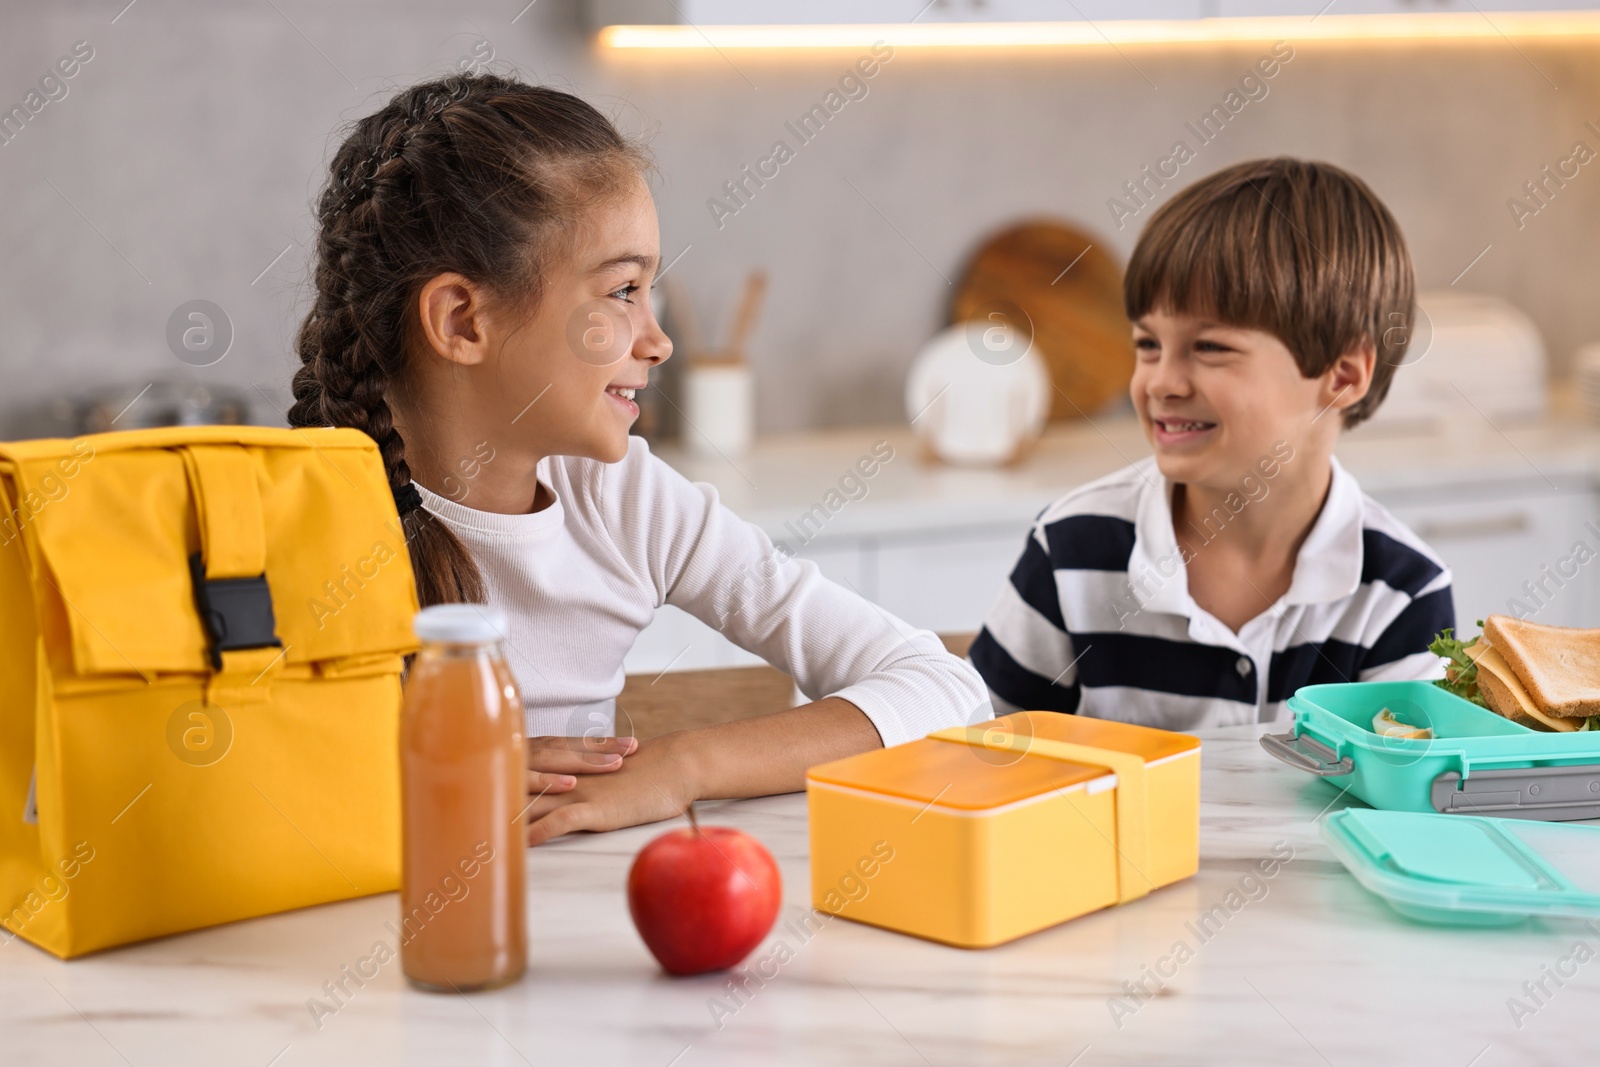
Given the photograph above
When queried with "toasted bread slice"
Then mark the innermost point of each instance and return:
(1559, 666)
(1505, 694)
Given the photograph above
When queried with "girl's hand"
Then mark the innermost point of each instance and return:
(554, 761)
(654, 784)
(749, 758)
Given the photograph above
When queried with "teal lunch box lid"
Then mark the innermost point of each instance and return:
(1476, 762)
(1469, 870)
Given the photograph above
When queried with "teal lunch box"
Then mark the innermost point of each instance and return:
(1476, 762)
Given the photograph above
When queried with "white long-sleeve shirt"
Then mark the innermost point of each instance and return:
(579, 579)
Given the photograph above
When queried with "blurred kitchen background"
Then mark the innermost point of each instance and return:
(171, 176)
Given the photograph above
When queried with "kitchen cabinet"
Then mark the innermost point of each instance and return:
(1515, 515)
(1513, 550)
(945, 583)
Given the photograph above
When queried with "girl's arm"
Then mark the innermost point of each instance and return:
(677, 539)
(752, 757)
(874, 680)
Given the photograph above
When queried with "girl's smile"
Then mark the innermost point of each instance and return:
(624, 396)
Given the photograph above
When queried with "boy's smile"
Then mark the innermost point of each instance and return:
(1175, 432)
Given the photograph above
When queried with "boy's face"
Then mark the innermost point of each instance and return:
(1214, 399)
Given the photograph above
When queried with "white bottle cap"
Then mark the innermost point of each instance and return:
(460, 623)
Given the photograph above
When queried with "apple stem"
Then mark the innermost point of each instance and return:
(694, 824)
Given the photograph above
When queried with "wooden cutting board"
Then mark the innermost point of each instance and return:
(1071, 288)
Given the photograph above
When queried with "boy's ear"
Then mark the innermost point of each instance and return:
(1350, 376)
(453, 319)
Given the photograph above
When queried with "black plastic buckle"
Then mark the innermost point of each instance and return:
(236, 612)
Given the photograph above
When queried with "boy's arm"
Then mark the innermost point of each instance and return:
(1024, 652)
(1401, 650)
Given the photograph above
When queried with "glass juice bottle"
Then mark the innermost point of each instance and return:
(463, 787)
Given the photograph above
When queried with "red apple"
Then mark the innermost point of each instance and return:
(703, 897)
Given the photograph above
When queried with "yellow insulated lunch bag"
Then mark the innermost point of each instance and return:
(202, 632)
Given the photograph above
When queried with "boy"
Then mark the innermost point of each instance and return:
(1202, 586)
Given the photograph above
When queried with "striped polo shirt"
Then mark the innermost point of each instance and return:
(1097, 618)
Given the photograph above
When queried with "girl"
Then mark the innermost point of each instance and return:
(485, 254)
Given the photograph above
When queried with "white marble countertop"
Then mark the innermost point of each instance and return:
(1313, 970)
(783, 476)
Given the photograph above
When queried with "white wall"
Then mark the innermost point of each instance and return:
(193, 142)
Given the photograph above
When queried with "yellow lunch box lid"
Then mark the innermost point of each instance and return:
(934, 771)
(1027, 754)
(1147, 741)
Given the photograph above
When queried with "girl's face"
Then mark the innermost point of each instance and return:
(563, 381)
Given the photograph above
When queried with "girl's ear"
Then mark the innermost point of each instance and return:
(454, 319)
(1348, 380)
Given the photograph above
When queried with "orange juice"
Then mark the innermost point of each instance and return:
(463, 788)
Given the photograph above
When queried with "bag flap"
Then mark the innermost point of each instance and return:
(110, 521)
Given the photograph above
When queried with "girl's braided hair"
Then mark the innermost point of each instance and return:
(475, 174)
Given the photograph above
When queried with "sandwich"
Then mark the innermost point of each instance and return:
(1543, 677)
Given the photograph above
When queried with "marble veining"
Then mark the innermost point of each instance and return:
(1304, 967)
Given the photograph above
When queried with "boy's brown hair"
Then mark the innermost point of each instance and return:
(1302, 250)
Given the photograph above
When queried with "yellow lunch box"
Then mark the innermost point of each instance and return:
(975, 836)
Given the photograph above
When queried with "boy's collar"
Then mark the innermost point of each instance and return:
(1327, 569)
(1329, 565)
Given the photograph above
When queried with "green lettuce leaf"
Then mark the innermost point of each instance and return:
(1460, 672)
